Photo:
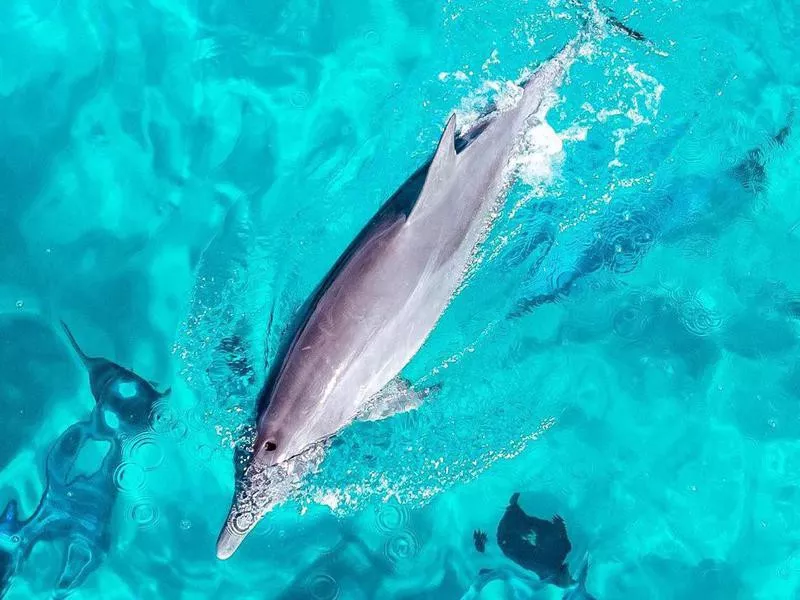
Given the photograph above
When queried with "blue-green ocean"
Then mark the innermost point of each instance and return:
(176, 177)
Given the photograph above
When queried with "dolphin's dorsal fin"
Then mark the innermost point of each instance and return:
(445, 155)
(443, 162)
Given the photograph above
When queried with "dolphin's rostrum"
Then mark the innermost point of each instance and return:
(382, 299)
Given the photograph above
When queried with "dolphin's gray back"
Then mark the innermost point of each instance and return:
(377, 306)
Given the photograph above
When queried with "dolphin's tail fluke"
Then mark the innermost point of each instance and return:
(85, 359)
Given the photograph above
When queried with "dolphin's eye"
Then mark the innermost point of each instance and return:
(270, 446)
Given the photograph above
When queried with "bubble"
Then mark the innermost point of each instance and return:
(145, 452)
(323, 587)
(401, 549)
(391, 517)
(186, 524)
(20, 303)
(129, 477)
(144, 514)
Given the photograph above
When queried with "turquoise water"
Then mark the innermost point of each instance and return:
(623, 353)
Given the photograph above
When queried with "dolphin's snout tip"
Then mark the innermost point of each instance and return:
(227, 543)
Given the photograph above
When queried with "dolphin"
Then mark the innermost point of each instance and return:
(379, 303)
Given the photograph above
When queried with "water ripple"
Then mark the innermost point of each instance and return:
(391, 517)
(632, 320)
(164, 421)
(697, 317)
(630, 242)
(401, 549)
(145, 514)
(145, 451)
(323, 587)
(129, 477)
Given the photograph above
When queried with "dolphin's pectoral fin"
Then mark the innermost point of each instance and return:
(442, 166)
(397, 397)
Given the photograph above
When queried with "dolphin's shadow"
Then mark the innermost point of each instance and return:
(624, 233)
(84, 473)
(539, 555)
(538, 545)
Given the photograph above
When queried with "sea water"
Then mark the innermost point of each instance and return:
(623, 353)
